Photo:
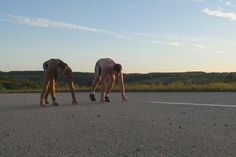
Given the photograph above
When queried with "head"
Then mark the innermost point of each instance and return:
(61, 68)
(117, 68)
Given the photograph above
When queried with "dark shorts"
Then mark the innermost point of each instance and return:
(45, 68)
(98, 70)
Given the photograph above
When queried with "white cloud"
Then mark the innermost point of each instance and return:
(228, 3)
(228, 49)
(160, 39)
(198, 0)
(220, 8)
(219, 13)
(175, 44)
(173, 40)
(46, 23)
(220, 52)
(151, 42)
(157, 42)
(199, 45)
(145, 35)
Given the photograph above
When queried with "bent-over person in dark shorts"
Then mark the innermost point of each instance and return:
(53, 68)
(106, 71)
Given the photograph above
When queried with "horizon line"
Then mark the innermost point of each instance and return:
(130, 72)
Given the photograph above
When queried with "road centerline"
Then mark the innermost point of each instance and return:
(193, 104)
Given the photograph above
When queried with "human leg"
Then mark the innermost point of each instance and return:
(45, 86)
(53, 92)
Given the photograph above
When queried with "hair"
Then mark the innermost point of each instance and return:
(62, 65)
(117, 68)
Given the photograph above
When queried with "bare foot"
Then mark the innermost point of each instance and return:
(42, 105)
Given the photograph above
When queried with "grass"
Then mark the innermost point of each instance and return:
(148, 87)
(182, 87)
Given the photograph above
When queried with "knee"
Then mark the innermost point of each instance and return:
(98, 78)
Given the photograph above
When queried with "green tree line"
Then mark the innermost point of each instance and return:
(28, 81)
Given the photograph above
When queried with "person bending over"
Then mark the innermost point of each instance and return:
(53, 68)
(106, 71)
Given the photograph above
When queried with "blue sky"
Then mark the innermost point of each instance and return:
(143, 35)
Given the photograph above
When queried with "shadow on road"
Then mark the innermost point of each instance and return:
(36, 106)
(16, 107)
(27, 107)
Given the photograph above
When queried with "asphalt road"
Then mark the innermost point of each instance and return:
(149, 125)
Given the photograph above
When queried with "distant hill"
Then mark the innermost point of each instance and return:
(186, 77)
(84, 78)
(33, 79)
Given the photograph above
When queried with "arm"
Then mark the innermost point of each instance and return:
(122, 87)
(71, 85)
(109, 84)
(103, 87)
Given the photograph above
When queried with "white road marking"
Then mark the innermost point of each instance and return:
(193, 104)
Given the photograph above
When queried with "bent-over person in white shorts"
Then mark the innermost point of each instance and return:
(106, 72)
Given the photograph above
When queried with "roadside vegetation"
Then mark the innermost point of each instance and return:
(30, 81)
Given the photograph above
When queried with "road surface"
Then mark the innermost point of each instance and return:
(149, 124)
